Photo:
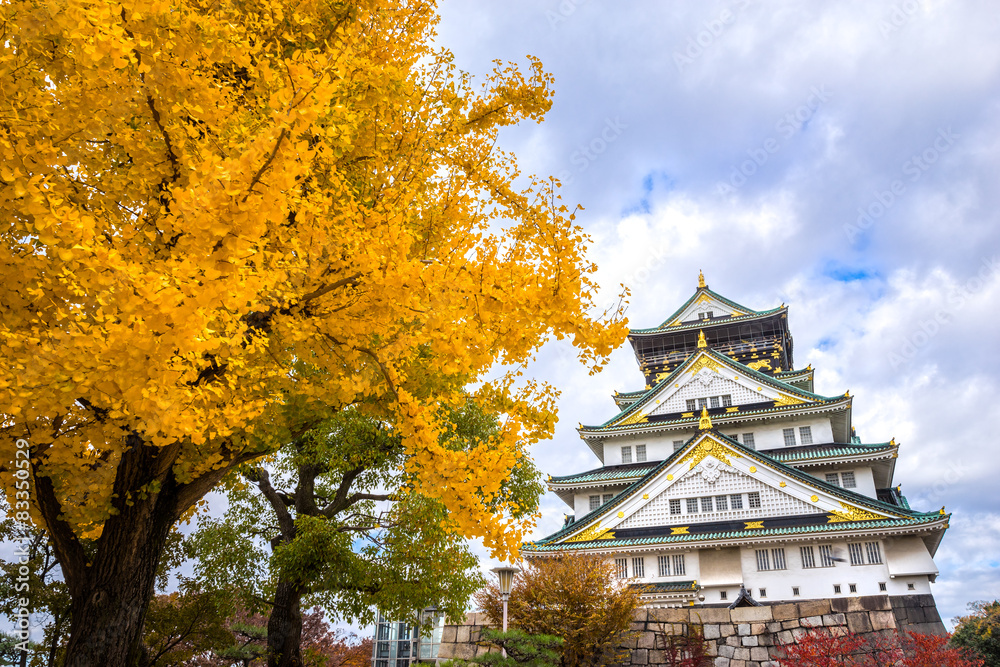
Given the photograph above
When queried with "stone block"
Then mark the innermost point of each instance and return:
(712, 615)
(814, 607)
(721, 662)
(637, 627)
(669, 615)
(640, 615)
(773, 626)
(834, 619)
(788, 625)
(752, 615)
(758, 653)
(749, 641)
(640, 657)
(727, 629)
(812, 621)
(841, 605)
(785, 637)
(646, 640)
(712, 649)
(446, 651)
(462, 634)
(785, 612)
(448, 634)
(733, 640)
(464, 651)
(882, 620)
(727, 651)
(798, 634)
(875, 602)
(742, 654)
(743, 629)
(657, 657)
(858, 622)
(712, 631)
(839, 631)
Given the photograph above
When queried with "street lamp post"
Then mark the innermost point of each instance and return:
(506, 577)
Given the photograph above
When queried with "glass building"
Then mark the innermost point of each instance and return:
(400, 644)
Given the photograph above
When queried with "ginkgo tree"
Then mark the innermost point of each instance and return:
(224, 222)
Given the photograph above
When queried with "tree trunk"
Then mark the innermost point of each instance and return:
(284, 627)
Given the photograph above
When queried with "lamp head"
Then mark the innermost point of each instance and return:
(505, 575)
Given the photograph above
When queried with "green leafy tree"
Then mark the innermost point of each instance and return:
(185, 624)
(576, 597)
(346, 529)
(980, 631)
(521, 648)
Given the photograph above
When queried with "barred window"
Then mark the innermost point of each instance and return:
(691, 405)
(847, 478)
(679, 569)
(748, 440)
(713, 402)
(640, 453)
(675, 505)
(833, 478)
(882, 586)
(789, 435)
(706, 504)
(608, 497)
(622, 565)
(874, 553)
(721, 503)
(806, 435)
(678, 444)
(627, 454)
(826, 556)
(853, 588)
(727, 400)
(638, 567)
(736, 501)
(702, 403)
(692, 505)
(595, 502)
(778, 558)
(763, 593)
(808, 557)
(857, 554)
(753, 500)
(795, 590)
(723, 595)
(763, 560)
(836, 589)
(663, 565)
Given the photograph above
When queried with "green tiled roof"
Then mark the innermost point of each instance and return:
(832, 489)
(827, 451)
(605, 474)
(757, 375)
(736, 534)
(718, 297)
(782, 455)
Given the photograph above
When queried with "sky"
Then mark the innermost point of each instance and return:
(841, 158)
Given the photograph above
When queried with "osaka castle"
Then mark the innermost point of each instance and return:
(726, 480)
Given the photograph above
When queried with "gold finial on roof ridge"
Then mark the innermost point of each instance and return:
(705, 422)
(701, 279)
(701, 339)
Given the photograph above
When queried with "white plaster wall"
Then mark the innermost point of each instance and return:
(691, 565)
(658, 446)
(863, 476)
(581, 501)
(769, 435)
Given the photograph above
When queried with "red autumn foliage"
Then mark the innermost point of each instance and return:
(820, 648)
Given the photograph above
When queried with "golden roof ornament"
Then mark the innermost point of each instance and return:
(701, 339)
(705, 422)
(701, 280)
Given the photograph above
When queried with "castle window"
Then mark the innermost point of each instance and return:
(702, 403)
(675, 506)
(627, 454)
(874, 553)
(678, 444)
(911, 587)
(691, 405)
(826, 556)
(847, 477)
(706, 504)
(763, 560)
(753, 500)
(808, 557)
(595, 502)
(679, 565)
(723, 595)
(806, 435)
(640, 453)
(778, 558)
(607, 498)
(857, 554)
(882, 586)
(763, 592)
(748, 440)
(638, 567)
(736, 501)
(622, 565)
(789, 435)
(727, 400)
(852, 588)
(692, 505)
(795, 591)
(713, 402)
(663, 563)
(721, 503)
(832, 478)
(836, 589)
(773, 559)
